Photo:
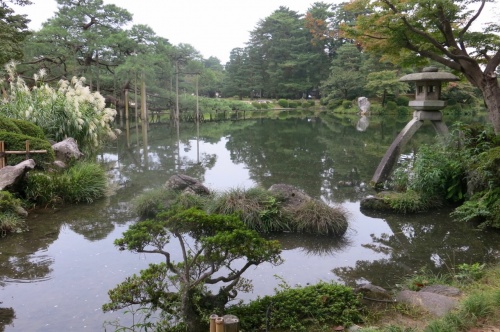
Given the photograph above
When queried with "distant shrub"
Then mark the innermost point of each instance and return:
(346, 104)
(391, 106)
(283, 103)
(257, 105)
(334, 103)
(292, 104)
(402, 100)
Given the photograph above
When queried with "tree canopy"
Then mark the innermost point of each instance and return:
(415, 32)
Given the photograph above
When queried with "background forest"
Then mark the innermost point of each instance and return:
(289, 55)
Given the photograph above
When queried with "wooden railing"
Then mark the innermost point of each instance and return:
(27, 152)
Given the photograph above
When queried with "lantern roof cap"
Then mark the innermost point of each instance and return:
(429, 74)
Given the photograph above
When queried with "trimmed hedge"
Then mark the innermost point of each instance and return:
(9, 125)
(29, 128)
(14, 141)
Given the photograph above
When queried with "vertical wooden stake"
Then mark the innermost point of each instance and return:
(219, 324)
(3, 156)
(213, 317)
(27, 149)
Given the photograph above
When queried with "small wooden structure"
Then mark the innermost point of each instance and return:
(27, 152)
(226, 323)
(427, 105)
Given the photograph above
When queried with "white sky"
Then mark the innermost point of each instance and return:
(213, 27)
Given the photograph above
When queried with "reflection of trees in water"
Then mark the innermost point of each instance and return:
(19, 260)
(314, 245)
(431, 241)
(7, 316)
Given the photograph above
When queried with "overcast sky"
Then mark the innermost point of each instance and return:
(213, 27)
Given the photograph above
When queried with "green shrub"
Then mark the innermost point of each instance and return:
(406, 202)
(402, 100)
(391, 106)
(8, 203)
(8, 125)
(346, 104)
(334, 103)
(257, 105)
(84, 182)
(293, 104)
(10, 222)
(294, 309)
(283, 103)
(29, 128)
(17, 142)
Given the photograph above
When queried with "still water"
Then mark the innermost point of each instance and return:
(56, 276)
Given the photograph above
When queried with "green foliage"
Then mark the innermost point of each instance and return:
(84, 182)
(29, 128)
(391, 106)
(10, 222)
(346, 104)
(406, 202)
(334, 103)
(17, 142)
(402, 100)
(8, 203)
(9, 125)
(283, 103)
(293, 104)
(178, 289)
(72, 110)
(469, 272)
(316, 217)
(296, 309)
(257, 208)
(152, 202)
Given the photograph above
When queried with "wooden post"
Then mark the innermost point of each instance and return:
(219, 324)
(231, 323)
(27, 149)
(3, 155)
(213, 317)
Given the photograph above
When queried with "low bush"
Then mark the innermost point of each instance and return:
(283, 103)
(293, 104)
(296, 309)
(85, 182)
(346, 104)
(11, 223)
(9, 125)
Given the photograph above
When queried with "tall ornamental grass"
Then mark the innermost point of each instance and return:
(70, 110)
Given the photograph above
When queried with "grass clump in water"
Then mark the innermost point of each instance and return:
(316, 217)
(257, 208)
(84, 182)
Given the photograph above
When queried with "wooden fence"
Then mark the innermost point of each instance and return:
(27, 152)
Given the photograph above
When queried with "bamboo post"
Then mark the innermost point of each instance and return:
(27, 149)
(231, 323)
(213, 317)
(3, 155)
(219, 324)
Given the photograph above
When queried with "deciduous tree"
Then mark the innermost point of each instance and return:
(415, 31)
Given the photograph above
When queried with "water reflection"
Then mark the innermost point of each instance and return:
(64, 266)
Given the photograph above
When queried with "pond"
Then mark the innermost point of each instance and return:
(56, 276)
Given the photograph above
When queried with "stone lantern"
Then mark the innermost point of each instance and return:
(427, 106)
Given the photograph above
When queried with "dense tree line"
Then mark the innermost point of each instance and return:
(327, 52)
